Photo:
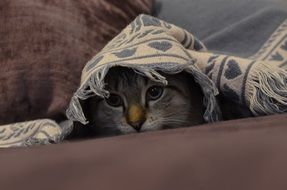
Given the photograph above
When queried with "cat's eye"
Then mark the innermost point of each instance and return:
(154, 92)
(114, 100)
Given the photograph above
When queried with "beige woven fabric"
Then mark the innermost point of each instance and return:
(37, 132)
(149, 45)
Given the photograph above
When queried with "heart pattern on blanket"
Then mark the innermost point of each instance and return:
(125, 53)
(162, 46)
(233, 70)
(277, 57)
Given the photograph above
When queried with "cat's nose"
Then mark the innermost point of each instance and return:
(136, 116)
(137, 125)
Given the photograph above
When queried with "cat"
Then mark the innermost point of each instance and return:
(138, 104)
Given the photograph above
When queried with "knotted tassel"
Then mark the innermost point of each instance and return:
(259, 85)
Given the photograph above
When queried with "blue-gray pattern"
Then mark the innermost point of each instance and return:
(233, 70)
(94, 63)
(277, 57)
(162, 46)
(125, 53)
(150, 21)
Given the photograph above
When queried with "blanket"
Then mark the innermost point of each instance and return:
(37, 132)
(149, 45)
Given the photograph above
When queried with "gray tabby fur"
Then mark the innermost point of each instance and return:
(180, 105)
(95, 87)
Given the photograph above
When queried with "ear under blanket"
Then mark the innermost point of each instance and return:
(149, 45)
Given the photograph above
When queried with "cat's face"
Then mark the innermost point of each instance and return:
(137, 104)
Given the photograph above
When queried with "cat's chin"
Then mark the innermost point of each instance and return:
(126, 131)
(148, 129)
(143, 130)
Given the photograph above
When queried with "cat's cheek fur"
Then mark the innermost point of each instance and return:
(126, 130)
(108, 117)
(149, 127)
(113, 118)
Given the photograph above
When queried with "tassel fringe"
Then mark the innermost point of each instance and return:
(95, 87)
(267, 89)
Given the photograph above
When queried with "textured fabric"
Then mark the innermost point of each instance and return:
(248, 154)
(149, 45)
(37, 132)
(228, 26)
(44, 46)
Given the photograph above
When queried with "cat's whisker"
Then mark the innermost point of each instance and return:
(159, 106)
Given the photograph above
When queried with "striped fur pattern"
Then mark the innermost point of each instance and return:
(136, 111)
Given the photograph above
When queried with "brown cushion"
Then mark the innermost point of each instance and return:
(247, 154)
(44, 46)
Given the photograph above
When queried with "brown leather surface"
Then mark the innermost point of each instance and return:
(249, 154)
(44, 45)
